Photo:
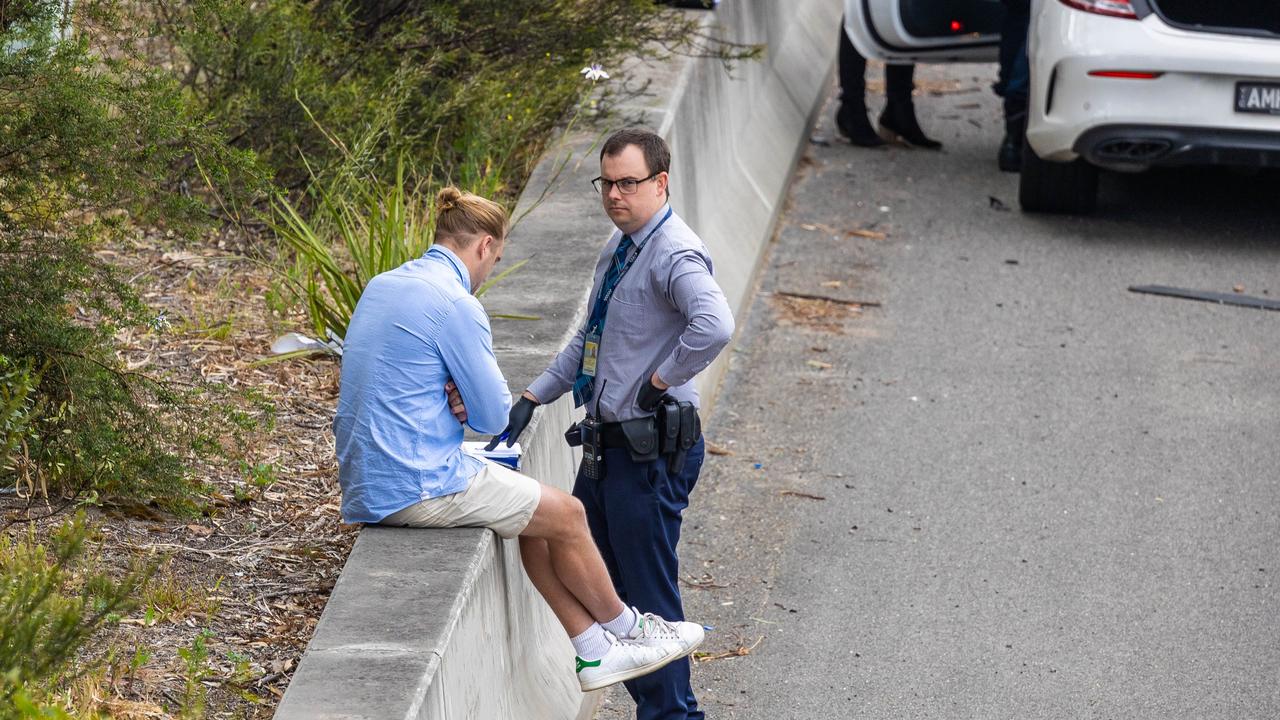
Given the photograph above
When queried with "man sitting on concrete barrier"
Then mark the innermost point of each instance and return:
(657, 318)
(417, 363)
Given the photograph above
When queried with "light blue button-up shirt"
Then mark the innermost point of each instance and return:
(414, 329)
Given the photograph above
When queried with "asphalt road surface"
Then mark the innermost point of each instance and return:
(1014, 489)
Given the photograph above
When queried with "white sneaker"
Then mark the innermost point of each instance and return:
(654, 631)
(624, 661)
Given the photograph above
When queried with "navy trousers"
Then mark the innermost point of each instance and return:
(635, 514)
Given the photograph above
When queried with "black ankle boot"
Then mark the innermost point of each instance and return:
(898, 122)
(852, 123)
(1010, 156)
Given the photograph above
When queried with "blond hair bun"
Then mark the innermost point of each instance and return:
(462, 216)
(447, 199)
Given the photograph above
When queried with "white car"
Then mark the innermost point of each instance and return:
(1119, 84)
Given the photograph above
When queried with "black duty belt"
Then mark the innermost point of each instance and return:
(612, 435)
(669, 433)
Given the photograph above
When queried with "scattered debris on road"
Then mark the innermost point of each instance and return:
(821, 313)
(740, 651)
(865, 233)
(1208, 296)
(797, 493)
(715, 449)
(707, 582)
(827, 298)
(997, 204)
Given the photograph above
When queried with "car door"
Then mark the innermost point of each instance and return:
(925, 30)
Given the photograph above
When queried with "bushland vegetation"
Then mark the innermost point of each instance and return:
(158, 162)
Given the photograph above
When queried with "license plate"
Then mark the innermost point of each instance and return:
(1261, 98)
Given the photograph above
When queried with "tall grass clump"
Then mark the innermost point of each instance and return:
(358, 227)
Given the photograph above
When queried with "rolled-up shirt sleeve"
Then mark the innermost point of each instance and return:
(694, 292)
(559, 377)
(466, 345)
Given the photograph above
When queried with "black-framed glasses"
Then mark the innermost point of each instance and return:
(626, 186)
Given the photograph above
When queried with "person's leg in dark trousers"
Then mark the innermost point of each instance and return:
(635, 515)
(899, 116)
(1014, 84)
(851, 116)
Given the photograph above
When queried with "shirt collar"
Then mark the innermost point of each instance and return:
(639, 235)
(464, 275)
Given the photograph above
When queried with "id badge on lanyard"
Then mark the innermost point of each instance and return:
(591, 343)
(590, 353)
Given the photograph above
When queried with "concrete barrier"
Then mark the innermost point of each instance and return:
(443, 624)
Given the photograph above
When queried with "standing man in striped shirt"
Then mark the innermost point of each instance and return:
(657, 318)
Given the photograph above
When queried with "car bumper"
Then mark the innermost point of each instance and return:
(1190, 106)
(1138, 147)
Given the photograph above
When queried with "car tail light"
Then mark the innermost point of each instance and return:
(1125, 74)
(1113, 8)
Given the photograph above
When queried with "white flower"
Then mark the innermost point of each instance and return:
(595, 72)
(160, 323)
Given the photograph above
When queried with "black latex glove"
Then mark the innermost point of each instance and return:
(517, 421)
(650, 396)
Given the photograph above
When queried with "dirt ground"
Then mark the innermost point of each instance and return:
(248, 576)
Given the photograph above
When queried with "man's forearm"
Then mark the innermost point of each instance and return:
(558, 378)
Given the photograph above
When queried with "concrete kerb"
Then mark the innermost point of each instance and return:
(444, 623)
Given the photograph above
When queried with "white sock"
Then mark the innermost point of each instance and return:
(592, 644)
(622, 625)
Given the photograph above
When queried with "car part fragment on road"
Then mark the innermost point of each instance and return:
(1206, 296)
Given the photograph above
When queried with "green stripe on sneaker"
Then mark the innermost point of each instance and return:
(586, 664)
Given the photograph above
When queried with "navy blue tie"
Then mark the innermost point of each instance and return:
(584, 385)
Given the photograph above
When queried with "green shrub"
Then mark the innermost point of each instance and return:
(90, 137)
(87, 131)
(468, 88)
(18, 382)
(85, 425)
(53, 598)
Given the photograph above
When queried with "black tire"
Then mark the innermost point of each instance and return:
(1053, 187)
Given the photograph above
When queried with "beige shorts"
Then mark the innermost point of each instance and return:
(498, 498)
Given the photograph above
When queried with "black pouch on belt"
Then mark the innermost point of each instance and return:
(573, 435)
(678, 427)
(642, 438)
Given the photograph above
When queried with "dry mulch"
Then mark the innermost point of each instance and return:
(815, 313)
(253, 572)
